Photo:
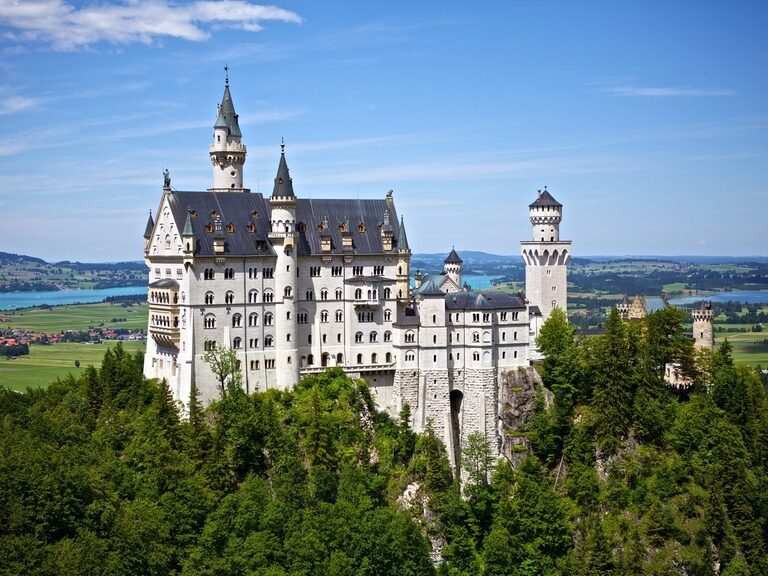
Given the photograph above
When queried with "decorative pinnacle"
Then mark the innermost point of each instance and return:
(282, 145)
(226, 74)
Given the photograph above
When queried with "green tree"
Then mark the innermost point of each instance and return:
(225, 366)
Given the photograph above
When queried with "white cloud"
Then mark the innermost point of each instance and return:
(66, 27)
(664, 92)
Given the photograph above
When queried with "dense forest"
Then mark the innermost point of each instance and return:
(99, 475)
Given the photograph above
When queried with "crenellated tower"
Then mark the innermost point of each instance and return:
(703, 332)
(227, 152)
(452, 267)
(546, 256)
(282, 236)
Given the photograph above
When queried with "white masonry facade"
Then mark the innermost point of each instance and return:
(298, 285)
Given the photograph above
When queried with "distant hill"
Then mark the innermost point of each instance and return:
(22, 273)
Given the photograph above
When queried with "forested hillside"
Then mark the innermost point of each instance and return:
(99, 475)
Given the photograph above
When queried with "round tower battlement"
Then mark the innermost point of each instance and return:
(703, 331)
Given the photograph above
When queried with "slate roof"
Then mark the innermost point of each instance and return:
(453, 258)
(164, 283)
(227, 117)
(150, 227)
(489, 300)
(237, 209)
(369, 213)
(430, 286)
(283, 180)
(545, 199)
(654, 304)
(234, 208)
(402, 239)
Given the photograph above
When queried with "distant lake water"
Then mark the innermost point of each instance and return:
(750, 297)
(14, 300)
(479, 282)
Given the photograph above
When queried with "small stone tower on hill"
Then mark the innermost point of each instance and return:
(546, 257)
(703, 332)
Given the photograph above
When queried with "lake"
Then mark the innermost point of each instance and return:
(14, 300)
(747, 297)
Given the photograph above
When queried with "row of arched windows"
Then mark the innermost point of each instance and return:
(159, 297)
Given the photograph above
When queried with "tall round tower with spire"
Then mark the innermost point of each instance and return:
(283, 239)
(227, 152)
(546, 257)
(703, 331)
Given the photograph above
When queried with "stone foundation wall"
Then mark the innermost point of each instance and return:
(405, 390)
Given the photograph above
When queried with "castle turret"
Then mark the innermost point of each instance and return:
(546, 256)
(452, 267)
(227, 152)
(703, 332)
(283, 239)
(148, 232)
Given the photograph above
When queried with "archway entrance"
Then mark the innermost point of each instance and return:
(456, 398)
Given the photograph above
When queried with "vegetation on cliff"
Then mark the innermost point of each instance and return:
(100, 475)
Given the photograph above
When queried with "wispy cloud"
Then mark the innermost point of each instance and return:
(67, 27)
(625, 89)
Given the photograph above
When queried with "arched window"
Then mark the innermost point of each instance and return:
(359, 358)
(324, 294)
(387, 336)
(324, 316)
(268, 341)
(475, 337)
(339, 294)
(410, 337)
(358, 293)
(310, 360)
(310, 295)
(167, 241)
(209, 297)
(209, 321)
(358, 337)
(339, 359)
(388, 358)
(237, 343)
(268, 318)
(287, 292)
(339, 316)
(253, 296)
(373, 337)
(253, 319)
(374, 358)
(237, 320)
(269, 296)
(387, 315)
(387, 293)
(229, 297)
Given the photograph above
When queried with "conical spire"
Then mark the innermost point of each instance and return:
(402, 239)
(453, 258)
(150, 227)
(227, 116)
(283, 182)
(188, 224)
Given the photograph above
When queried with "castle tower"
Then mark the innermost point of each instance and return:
(546, 257)
(227, 153)
(452, 267)
(283, 239)
(703, 333)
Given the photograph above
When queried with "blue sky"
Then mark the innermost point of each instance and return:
(648, 120)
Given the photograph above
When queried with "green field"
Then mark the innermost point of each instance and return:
(46, 363)
(747, 347)
(76, 317)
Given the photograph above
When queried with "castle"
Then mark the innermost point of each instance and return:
(296, 285)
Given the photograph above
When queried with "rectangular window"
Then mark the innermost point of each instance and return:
(336, 271)
(378, 270)
(268, 272)
(486, 317)
(254, 364)
(357, 270)
(314, 271)
(475, 317)
(270, 364)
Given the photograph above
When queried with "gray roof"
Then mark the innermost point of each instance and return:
(402, 239)
(188, 224)
(236, 208)
(150, 227)
(366, 239)
(243, 209)
(283, 180)
(654, 304)
(164, 283)
(545, 199)
(453, 258)
(487, 300)
(227, 117)
(430, 286)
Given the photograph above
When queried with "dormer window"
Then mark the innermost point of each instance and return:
(230, 227)
(209, 227)
(361, 228)
(214, 214)
(301, 227)
(254, 214)
(252, 228)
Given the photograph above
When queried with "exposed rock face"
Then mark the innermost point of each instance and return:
(517, 397)
(416, 500)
